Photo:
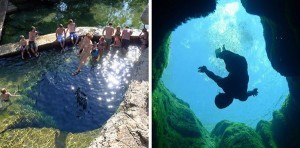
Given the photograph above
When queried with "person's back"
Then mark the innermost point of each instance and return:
(109, 31)
(126, 34)
(235, 85)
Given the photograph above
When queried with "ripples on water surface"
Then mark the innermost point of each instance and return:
(48, 81)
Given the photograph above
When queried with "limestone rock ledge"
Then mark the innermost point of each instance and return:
(129, 126)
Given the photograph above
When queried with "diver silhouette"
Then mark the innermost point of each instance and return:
(235, 85)
(81, 98)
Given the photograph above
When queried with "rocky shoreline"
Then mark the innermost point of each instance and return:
(129, 126)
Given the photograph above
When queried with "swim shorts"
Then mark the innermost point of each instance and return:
(60, 38)
(23, 48)
(32, 45)
(95, 52)
(73, 35)
(125, 43)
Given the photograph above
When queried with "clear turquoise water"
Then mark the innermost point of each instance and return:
(193, 45)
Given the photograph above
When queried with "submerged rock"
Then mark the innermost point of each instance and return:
(229, 134)
(263, 128)
(166, 20)
(174, 124)
(28, 137)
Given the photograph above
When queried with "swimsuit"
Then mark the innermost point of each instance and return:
(73, 35)
(108, 41)
(23, 47)
(125, 43)
(85, 53)
(95, 52)
(32, 44)
(60, 38)
(118, 34)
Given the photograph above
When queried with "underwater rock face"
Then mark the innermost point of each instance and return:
(44, 137)
(166, 20)
(229, 134)
(263, 128)
(28, 137)
(285, 124)
(280, 20)
(173, 122)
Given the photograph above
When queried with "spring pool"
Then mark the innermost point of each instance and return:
(47, 81)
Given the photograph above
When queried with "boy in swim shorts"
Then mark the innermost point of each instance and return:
(23, 46)
(60, 36)
(32, 35)
(72, 28)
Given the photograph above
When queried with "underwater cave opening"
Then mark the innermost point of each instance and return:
(193, 45)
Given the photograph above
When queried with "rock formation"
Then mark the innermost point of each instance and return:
(129, 126)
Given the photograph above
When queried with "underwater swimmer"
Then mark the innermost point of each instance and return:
(235, 85)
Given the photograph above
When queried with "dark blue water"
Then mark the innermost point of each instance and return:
(193, 45)
(53, 87)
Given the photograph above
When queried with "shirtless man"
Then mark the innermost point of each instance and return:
(126, 33)
(72, 28)
(109, 31)
(60, 36)
(32, 37)
(5, 95)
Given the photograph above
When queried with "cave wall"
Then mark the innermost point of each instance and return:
(167, 15)
(281, 24)
(281, 21)
(174, 124)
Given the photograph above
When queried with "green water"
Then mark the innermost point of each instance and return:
(84, 13)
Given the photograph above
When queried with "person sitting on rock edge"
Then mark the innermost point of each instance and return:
(235, 85)
(23, 46)
(32, 35)
(61, 35)
(72, 29)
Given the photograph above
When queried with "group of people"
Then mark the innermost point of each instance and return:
(32, 35)
(111, 37)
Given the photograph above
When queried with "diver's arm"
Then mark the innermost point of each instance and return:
(210, 74)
